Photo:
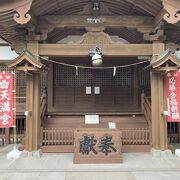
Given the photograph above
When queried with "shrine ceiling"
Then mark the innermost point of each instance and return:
(42, 20)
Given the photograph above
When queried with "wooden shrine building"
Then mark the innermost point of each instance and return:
(60, 90)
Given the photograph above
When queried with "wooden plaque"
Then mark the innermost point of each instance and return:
(97, 146)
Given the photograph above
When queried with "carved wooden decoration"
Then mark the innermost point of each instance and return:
(97, 38)
(172, 7)
(21, 16)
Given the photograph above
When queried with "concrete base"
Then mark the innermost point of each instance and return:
(177, 152)
(36, 154)
(159, 153)
(14, 154)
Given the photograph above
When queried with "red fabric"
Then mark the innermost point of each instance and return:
(173, 96)
(6, 100)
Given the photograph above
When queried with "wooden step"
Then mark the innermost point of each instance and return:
(124, 121)
(99, 113)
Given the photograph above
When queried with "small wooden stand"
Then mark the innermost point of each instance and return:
(97, 146)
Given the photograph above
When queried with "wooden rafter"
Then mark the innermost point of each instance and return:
(158, 19)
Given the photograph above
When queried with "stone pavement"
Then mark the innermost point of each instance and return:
(135, 166)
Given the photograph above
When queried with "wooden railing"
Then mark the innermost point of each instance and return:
(43, 107)
(58, 136)
(146, 108)
(65, 136)
(7, 135)
(135, 136)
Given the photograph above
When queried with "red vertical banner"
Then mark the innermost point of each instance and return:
(6, 100)
(173, 96)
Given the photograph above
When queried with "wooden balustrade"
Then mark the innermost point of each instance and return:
(43, 107)
(65, 136)
(146, 109)
(135, 136)
(58, 136)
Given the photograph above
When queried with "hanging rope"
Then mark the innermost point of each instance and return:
(89, 67)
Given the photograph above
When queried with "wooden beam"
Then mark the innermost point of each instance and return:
(167, 69)
(159, 17)
(158, 36)
(81, 50)
(139, 22)
(26, 68)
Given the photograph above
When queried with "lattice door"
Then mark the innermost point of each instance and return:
(115, 93)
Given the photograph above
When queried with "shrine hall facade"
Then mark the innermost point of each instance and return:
(95, 65)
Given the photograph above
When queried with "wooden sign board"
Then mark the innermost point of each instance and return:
(97, 146)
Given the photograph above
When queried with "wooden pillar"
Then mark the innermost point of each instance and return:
(159, 123)
(33, 105)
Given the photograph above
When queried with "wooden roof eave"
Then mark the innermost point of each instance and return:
(169, 57)
(156, 62)
(28, 57)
